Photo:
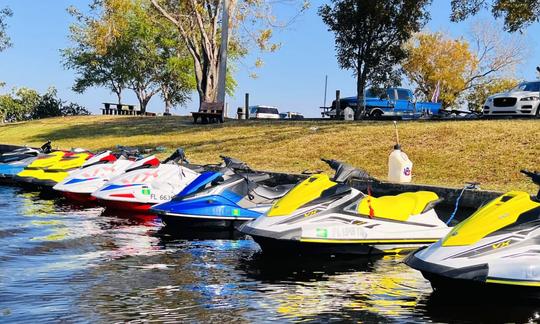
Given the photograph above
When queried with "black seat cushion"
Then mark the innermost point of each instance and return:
(272, 192)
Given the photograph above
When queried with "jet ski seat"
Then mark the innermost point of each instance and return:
(272, 192)
(399, 207)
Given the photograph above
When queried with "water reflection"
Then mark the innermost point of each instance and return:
(489, 309)
(74, 263)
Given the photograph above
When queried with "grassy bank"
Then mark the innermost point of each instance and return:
(445, 153)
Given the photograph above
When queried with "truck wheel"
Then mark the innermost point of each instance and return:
(377, 114)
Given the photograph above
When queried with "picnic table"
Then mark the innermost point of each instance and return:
(123, 109)
(209, 112)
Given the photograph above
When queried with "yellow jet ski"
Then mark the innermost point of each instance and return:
(34, 169)
(494, 252)
(48, 170)
(327, 216)
(61, 169)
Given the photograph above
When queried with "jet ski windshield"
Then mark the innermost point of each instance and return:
(318, 187)
(305, 192)
(512, 209)
(200, 183)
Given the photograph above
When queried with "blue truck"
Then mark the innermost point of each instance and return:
(392, 102)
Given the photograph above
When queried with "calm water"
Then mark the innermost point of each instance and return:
(65, 263)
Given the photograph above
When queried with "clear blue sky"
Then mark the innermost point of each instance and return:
(291, 79)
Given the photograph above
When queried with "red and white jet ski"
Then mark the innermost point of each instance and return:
(93, 174)
(147, 182)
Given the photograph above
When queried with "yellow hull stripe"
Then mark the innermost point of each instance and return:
(398, 251)
(515, 283)
(384, 241)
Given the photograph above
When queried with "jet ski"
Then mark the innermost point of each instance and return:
(148, 182)
(222, 199)
(57, 172)
(327, 216)
(495, 249)
(36, 167)
(94, 173)
(15, 161)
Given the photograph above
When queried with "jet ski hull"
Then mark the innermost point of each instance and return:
(202, 221)
(140, 187)
(44, 183)
(296, 247)
(217, 211)
(125, 205)
(24, 181)
(472, 280)
(79, 197)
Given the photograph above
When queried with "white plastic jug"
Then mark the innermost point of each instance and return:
(399, 166)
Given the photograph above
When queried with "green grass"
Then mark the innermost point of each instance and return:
(445, 152)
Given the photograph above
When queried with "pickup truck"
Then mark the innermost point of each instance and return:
(394, 102)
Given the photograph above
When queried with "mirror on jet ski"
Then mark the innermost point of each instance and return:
(47, 147)
(535, 177)
(234, 164)
(346, 172)
(130, 153)
(178, 156)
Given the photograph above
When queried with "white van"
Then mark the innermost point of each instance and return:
(263, 112)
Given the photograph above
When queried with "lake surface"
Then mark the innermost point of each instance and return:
(60, 262)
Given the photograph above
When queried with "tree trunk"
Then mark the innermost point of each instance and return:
(360, 90)
(204, 52)
(143, 98)
(166, 99)
(206, 77)
(167, 106)
(119, 96)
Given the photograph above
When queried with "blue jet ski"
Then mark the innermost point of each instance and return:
(223, 198)
(13, 162)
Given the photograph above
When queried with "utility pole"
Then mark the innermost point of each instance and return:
(325, 88)
(223, 52)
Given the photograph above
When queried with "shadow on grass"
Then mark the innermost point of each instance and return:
(117, 127)
(161, 127)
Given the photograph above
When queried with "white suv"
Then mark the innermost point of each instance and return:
(263, 112)
(523, 100)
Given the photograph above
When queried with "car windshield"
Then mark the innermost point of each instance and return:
(528, 86)
(265, 110)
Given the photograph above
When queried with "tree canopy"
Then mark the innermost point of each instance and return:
(460, 65)
(25, 104)
(517, 14)
(369, 37)
(126, 44)
(5, 41)
(199, 25)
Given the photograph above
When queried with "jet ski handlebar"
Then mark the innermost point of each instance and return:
(345, 172)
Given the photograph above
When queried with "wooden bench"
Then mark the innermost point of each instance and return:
(209, 112)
